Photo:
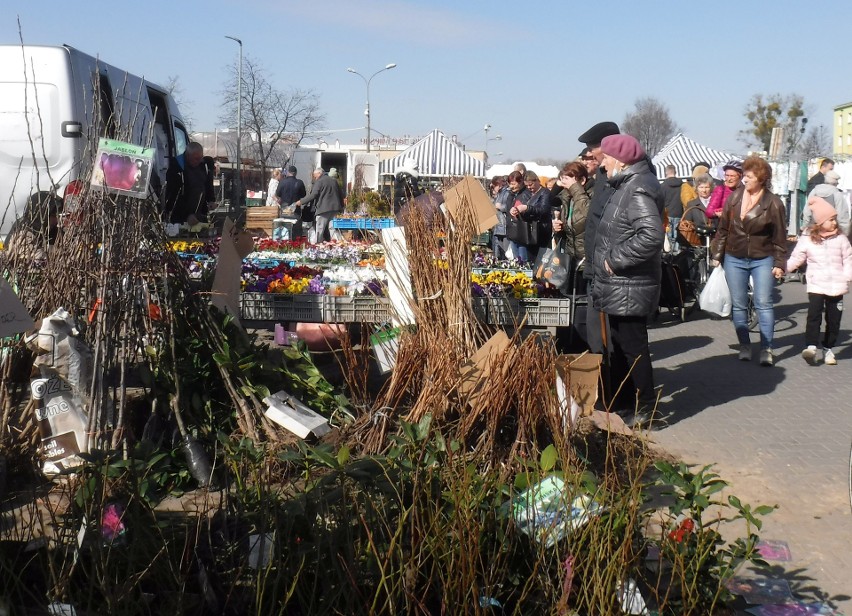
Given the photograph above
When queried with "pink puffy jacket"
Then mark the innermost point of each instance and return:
(829, 264)
(718, 197)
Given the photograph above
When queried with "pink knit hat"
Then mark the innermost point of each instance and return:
(821, 209)
(623, 148)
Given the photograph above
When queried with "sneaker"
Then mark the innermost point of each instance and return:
(809, 355)
(745, 352)
(766, 358)
(829, 358)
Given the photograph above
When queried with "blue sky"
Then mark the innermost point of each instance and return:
(539, 73)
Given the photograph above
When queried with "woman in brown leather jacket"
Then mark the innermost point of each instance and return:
(752, 242)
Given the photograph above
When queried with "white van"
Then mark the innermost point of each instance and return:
(54, 104)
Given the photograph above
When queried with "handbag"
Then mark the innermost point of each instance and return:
(716, 296)
(554, 266)
(522, 232)
(686, 229)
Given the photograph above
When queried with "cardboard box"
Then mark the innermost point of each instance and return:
(577, 378)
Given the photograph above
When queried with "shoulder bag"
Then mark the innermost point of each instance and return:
(686, 228)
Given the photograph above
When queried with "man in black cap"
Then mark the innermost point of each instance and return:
(290, 189)
(600, 192)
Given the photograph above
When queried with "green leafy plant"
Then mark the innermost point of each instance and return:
(694, 560)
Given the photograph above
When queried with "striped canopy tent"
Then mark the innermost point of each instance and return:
(683, 153)
(436, 156)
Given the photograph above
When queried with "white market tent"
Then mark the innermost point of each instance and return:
(436, 156)
(683, 153)
(547, 171)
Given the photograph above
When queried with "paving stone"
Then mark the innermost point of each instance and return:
(779, 435)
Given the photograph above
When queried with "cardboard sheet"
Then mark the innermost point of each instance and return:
(226, 282)
(475, 371)
(14, 318)
(470, 193)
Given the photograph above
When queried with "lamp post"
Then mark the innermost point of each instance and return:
(367, 82)
(487, 127)
(237, 181)
(495, 138)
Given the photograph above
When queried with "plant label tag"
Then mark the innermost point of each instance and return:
(294, 415)
(385, 345)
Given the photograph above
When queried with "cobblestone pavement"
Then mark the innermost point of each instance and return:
(779, 435)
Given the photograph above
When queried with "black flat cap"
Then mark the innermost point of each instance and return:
(597, 132)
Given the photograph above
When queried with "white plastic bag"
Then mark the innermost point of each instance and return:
(716, 297)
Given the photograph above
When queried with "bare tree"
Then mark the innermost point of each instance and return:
(276, 120)
(174, 87)
(651, 123)
(816, 143)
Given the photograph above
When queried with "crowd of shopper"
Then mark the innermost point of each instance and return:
(608, 211)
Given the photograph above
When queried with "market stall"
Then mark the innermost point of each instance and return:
(345, 282)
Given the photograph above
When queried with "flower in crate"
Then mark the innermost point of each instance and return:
(372, 287)
(498, 283)
(315, 286)
(278, 285)
(279, 246)
(480, 259)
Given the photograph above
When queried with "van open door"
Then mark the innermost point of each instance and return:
(365, 171)
(162, 138)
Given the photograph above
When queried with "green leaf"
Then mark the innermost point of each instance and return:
(324, 457)
(423, 427)
(343, 455)
(548, 458)
(262, 391)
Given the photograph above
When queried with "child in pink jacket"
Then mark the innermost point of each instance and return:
(829, 257)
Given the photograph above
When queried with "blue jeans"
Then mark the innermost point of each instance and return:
(737, 272)
(497, 246)
(673, 223)
(520, 251)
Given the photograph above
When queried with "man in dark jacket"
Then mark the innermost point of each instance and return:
(290, 189)
(672, 186)
(189, 186)
(406, 185)
(819, 177)
(600, 192)
(326, 200)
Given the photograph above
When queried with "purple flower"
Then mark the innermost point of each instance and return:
(315, 286)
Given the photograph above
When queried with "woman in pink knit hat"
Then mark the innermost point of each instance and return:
(627, 268)
(829, 258)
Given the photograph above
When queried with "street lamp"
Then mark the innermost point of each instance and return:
(487, 127)
(367, 82)
(237, 182)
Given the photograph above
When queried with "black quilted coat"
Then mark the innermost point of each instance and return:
(630, 240)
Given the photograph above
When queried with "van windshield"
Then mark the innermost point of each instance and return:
(21, 105)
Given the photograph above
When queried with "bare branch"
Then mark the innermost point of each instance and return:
(276, 121)
(651, 123)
